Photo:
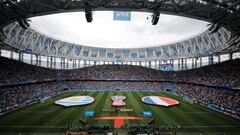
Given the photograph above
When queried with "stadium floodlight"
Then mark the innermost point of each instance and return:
(88, 12)
(156, 14)
(213, 28)
(24, 23)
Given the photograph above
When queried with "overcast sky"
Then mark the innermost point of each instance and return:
(105, 32)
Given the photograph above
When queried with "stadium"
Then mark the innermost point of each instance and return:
(55, 86)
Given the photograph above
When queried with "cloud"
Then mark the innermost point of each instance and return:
(105, 32)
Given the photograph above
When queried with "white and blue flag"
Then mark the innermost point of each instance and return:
(75, 101)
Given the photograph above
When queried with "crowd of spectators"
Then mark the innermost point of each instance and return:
(19, 96)
(223, 99)
(223, 74)
(77, 127)
(114, 85)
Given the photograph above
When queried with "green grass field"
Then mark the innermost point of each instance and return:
(49, 118)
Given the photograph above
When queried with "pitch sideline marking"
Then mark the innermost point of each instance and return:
(161, 126)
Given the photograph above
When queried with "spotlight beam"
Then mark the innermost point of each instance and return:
(24, 23)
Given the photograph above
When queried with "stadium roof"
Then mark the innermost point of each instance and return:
(108, 33)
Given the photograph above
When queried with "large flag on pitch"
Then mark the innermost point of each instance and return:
(118, 100)
(158, 100)
(75, 101)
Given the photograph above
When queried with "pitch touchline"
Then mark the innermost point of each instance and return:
(198, 112)
(207, 126)
(64, 126)
(33, 126)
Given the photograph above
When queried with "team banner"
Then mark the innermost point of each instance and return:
(147, 113)
(118, 100)
(89, 113)
(75, 101)
(122, 15)
(158, 100)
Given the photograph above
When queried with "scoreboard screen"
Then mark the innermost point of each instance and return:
(166, 67)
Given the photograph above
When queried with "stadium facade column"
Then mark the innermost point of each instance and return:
(47, 61)
(40, 60)
(54, 62)
(22, 56)
(67, 63)
(200, 61)
(196, 63)
(64, 63)
(178, 64)
(155, 64)
(36, 59)
(185, 63)
(182, 63)
(193, 63)
(11, 54)
(19, 56)
(61, 63)
(31, 60)
(219, 58)
(75, 63)
(72, 63)
(84, 63)
(51, 61)
(210, 59)
(230, 56)
(159, 63)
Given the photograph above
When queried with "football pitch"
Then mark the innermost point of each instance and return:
(49, 118)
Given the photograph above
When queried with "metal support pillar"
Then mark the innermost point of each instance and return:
(182, 63)
(186, 64)
(219, 58)
(193, 63)
(230, 56)
(200, 61)
(11, 54)
(40, 60)
(196, 63)
(37, 64)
